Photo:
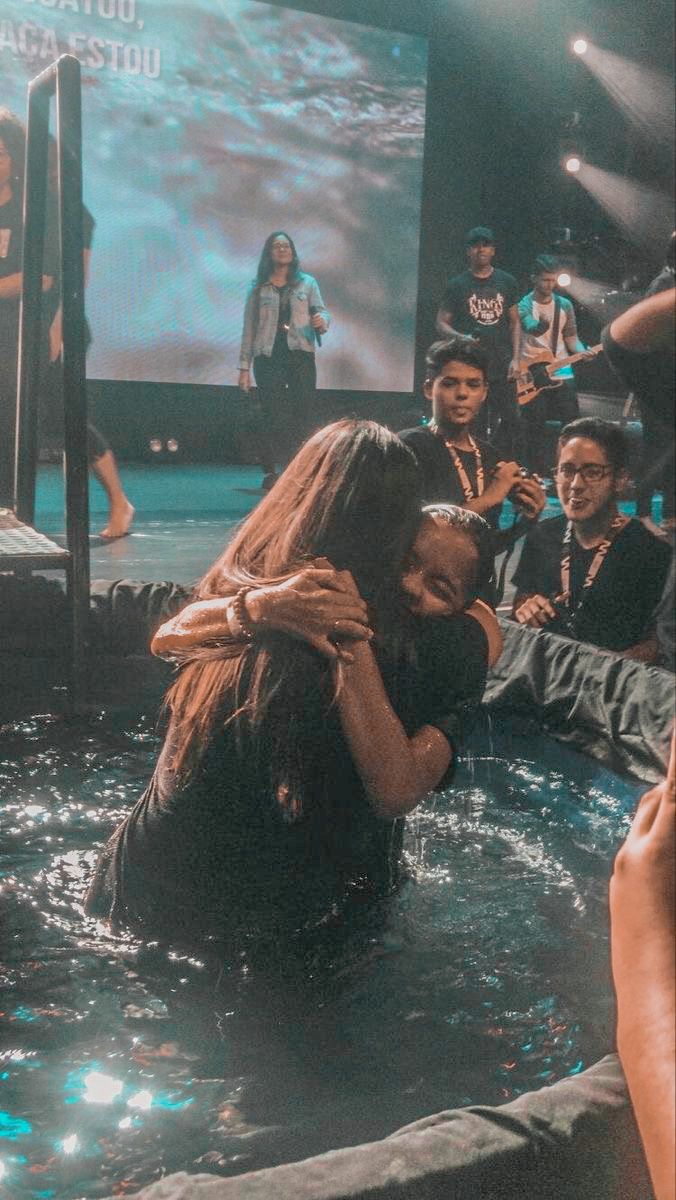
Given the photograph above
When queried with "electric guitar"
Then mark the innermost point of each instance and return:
(535, 374)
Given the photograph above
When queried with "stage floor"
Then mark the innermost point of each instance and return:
(184, 516)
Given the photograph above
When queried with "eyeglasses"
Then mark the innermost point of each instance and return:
(590, 472)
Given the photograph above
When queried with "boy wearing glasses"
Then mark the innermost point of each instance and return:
(592, 573)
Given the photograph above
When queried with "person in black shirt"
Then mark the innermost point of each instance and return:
(480, 304)
(101, 459)
(456, 466)
(593, 574)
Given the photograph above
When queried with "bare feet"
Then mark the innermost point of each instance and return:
(119, 519)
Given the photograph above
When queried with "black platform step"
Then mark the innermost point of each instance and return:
(23, 546)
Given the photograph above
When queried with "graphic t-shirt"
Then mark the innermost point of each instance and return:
(480, 307)
(617, 611)
(533, 343)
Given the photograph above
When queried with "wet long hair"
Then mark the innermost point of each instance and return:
(13, 135)
(351, 495)
(265, 263)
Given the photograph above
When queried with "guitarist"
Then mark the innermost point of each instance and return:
(548, 323)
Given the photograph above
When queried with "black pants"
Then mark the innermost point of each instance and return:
(657, 466)
(286, 383)
(554, 404)
(51, 417)
(499, 418)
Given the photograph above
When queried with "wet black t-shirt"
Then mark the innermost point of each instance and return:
(480, 307)
(617, 611)
(220, 851)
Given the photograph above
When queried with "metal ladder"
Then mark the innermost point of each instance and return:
(23, 549)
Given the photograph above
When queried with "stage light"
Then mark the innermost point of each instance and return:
(580, 46)
(572, 164)
(172, 445)
(564, 279)
(155, 445)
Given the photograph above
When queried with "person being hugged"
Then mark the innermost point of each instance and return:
(284, 321)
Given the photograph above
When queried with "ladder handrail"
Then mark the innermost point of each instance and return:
(62, 79)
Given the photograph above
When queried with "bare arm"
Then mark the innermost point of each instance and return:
(483, 613)
(642, 949)
(397, 771)
(648, 325)
(444, 324)
(317, 605)
(10, 286)
(645, 651)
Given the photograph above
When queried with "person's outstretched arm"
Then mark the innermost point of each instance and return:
(397, 771)
(648, 325)
(642, 938)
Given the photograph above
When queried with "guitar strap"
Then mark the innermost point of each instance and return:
(555, 324)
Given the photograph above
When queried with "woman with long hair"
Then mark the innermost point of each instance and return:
(284, 319)
(284, 774)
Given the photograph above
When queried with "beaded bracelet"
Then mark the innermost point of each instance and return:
(240, 615)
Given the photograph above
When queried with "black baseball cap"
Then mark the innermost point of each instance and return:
(480, 233)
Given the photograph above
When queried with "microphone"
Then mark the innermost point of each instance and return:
(318, 337)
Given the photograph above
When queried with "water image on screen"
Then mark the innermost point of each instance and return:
(206, 126)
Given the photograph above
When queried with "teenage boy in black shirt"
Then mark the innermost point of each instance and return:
(457, 467)
(481, 304)
(603, 572)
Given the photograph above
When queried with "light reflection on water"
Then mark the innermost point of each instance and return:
(121, 1061)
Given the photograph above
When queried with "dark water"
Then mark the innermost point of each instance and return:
(487, 976)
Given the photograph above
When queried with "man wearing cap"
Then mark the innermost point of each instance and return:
(480, 304)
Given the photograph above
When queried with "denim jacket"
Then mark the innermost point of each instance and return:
(261, 318)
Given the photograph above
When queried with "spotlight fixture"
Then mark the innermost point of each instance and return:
(563, 279)
(572, 164)
(580, 46)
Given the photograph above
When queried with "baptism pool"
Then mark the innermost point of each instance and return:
(486, 977)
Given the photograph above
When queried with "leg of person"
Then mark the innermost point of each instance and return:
(301, 401)
(508, 436)
(563, 403)
(651, 456)
(534, 434)
(270, 376)
(562, 406)
(104, 467)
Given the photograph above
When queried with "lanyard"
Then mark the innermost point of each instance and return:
(467, 490)
(616, 525)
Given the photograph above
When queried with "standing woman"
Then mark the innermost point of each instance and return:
(284, 319)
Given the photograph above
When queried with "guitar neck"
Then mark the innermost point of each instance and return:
(568, 362)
